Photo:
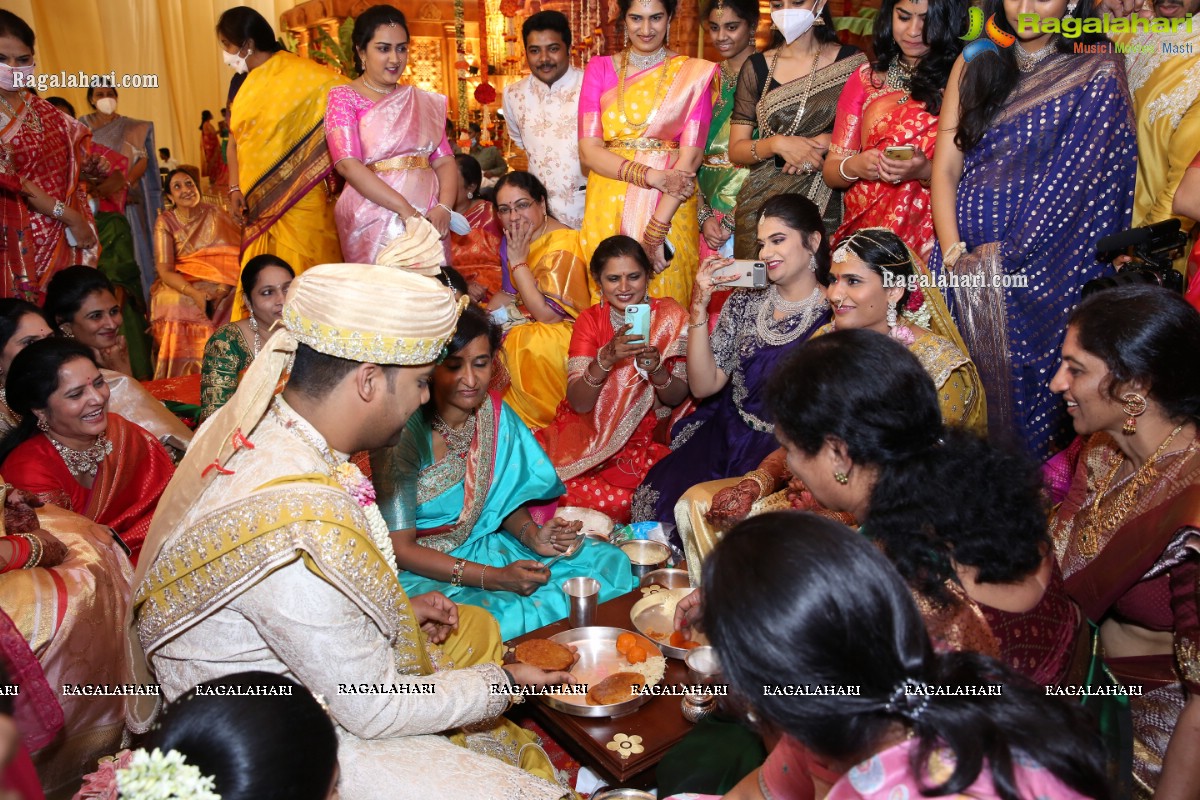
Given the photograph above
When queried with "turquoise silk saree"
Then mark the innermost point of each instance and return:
(458, 506)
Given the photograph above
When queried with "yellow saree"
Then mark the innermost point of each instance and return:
(652, 134)
(535, 353)
(278, 123)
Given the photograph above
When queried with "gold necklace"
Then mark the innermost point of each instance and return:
(31, 121)
(762, 100)
(1099, 519)
(662, 79)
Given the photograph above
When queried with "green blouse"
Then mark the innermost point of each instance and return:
(226, 356)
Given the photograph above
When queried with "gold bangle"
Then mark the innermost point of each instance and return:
(765, 481)
(590, 381)
(701, 324)
(669, 381)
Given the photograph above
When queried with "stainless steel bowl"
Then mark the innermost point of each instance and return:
(667, 579)
(622, 794)
(598, 656)
(656, 612)
(645, 556)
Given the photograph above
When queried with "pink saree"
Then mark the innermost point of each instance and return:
(396, 138)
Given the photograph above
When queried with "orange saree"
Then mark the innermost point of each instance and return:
(476, 255)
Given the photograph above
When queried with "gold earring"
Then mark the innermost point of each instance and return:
(1134, 406)
(841, 478)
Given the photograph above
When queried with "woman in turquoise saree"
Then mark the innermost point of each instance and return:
(469, 496)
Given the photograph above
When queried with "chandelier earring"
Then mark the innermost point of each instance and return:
(812, 263)
(891, 314)
(1134, 406)
(43, 425)
(627, 39)
(1071, 8)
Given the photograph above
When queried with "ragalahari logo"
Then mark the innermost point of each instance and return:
(996, 38)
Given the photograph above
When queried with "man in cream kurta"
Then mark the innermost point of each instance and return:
(542, 114)
(268, 553)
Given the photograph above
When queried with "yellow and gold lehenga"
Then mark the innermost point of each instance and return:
(535, 353)
(277, 121)
(680, 118)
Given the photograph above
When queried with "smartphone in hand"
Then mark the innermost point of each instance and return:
(750, 275)
(902, 152)
(637, 317)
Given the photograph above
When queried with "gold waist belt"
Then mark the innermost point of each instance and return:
(400, 163)
(720, 162)
(641, 144)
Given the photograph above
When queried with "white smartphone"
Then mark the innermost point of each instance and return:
(900, 152)
(637, 316)
(749, 275)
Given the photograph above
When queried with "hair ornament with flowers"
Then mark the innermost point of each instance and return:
(138, 775)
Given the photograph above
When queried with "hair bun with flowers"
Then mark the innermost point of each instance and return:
(138, 775)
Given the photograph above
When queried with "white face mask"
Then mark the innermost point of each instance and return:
(107, 105)
(236, 62)
(793, 22)
(8, 79)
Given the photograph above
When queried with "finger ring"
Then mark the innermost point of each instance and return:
(808, 167)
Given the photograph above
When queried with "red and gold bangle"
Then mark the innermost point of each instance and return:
(20, 556)
(657, 230)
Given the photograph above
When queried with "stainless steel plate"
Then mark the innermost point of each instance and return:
(666, 579)
(598, 658)
(654, 617)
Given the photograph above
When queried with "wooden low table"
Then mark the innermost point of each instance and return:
(659, 722)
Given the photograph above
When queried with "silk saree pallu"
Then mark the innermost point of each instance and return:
(603, 455)
(476, 255)
(227, 354)
(72, 617)
(203, 245)
(278, 123)
(458, 506)
(659, 110)
(718, 180)
(396, 138)
(535, 353)
(872, 115)
(1020, 221)
(47, 147)
(818, 105)
(1145, 570)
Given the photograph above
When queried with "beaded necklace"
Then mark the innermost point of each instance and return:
(761, 108)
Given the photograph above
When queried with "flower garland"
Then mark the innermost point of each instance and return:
(460, 43)
(916, 310)
(138, 775)
(359, 486)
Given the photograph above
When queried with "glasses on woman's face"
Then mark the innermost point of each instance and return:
(521, 206)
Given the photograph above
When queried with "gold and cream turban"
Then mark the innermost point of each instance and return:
(419, 249)
(360, 312)
(372, 314)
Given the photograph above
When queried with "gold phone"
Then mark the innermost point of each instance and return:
(901, 152)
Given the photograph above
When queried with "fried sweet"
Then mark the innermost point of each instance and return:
(544, 654)
(616, 688)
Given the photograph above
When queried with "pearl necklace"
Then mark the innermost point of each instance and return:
(375, 88)
(83, 462)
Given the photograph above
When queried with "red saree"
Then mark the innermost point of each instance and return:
(602, 456)
(872, 116)
(476, 255)
(125, 491)
(45, 146)
(214, 167)
(1143, 572)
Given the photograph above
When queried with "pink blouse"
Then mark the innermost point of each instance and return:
(343, 116)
